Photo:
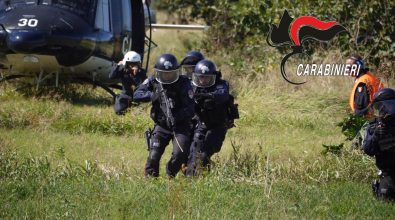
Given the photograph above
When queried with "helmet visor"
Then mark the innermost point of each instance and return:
(187, 70)
(384, 108)
(132, 64)
(203, 81)
(167, 77)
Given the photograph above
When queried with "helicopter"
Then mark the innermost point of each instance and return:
(48, 42)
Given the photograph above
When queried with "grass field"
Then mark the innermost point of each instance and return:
(67, 155)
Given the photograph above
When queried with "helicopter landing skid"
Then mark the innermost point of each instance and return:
(82, 80)
(12, 77)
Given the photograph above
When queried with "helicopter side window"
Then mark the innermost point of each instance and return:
(18, 2)
(103, 15)
(13, 3)
(83, 8)
(126, 15)
(3, 5)
(79, 7)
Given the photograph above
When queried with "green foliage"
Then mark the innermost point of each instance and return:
(351, 125)
(333, 149)
(246, 23)
(268, 167)
(68, 111)
(263, 168)
(35, 187)
(17, 168)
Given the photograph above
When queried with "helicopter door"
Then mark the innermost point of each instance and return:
(138, 27)
(126, 24)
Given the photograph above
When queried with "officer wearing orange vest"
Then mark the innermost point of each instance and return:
(362, 95)
(365, 86)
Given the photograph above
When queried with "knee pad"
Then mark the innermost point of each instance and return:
(155, 143)
(387, 193)
(383, 190)
(199, 137)
(154, 155)
(198, 141)
(157, 140)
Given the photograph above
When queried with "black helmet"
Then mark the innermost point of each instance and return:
(384, 94)
(205, 74)
(361, 64)
(195, 53)
(358, 60)
(384, 101)
(166, 69)
(189, 62)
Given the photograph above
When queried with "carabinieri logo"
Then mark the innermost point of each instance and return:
(204, 69)
(295, 32)
(168, 65)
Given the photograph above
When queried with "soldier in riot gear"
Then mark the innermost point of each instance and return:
(188, 65)
(214, 118)
(189, 62)
(380, 142)
(172, 110)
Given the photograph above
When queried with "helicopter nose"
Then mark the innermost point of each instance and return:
(25, 41)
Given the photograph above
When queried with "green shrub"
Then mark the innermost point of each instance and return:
(244, 24)
(351, 125)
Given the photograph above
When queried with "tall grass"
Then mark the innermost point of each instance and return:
(62, 114)
(65, 154)
(243, 186)
(261, 167)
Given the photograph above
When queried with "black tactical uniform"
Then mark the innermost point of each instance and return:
(212, 112)
(380, 142)
(177, 96)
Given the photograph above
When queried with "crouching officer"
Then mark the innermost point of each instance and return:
(362, 94)
(380, 142)
(212, 99)
(189, 62)
(365, 87)
(131, 74)
(172, 110)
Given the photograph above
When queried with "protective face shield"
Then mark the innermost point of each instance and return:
(166, 69)
(167, 76)
(132, 64)
(187, 70)
(203, 80)
(384, 108)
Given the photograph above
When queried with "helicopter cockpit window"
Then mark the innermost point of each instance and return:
(103, 15)
(83, 8)
(127, 15)
(16, 3)
(3, 5)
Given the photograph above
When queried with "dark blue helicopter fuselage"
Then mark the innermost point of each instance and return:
(49, 38)
(52, 31)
